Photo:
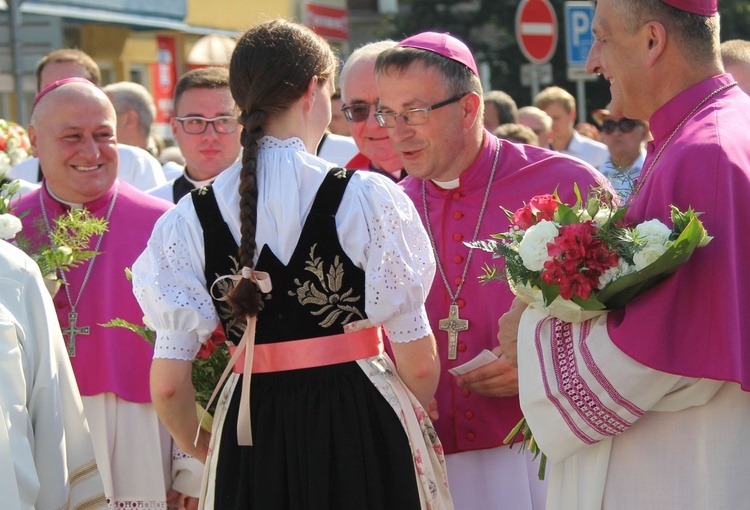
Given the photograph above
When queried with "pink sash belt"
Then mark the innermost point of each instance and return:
(312, 352)
(360, 343)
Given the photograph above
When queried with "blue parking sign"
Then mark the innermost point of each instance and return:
(578, 36)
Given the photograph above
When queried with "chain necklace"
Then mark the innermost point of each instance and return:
(642, 178)
(453, 324)
(73, 329)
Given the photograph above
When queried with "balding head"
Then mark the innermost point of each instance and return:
(72, 132)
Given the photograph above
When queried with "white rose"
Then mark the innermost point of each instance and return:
(613, 273)
(9, 226)
(602, 215)
(648, 255)
(533, 246)
(653, 232)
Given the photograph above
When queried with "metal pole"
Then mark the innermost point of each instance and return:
(14, 19)
(535, 79)
(581, 92)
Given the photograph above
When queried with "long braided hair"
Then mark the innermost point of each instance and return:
(270, 69)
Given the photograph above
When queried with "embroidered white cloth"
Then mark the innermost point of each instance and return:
(377, 224)
(621, 435)
(46, 453)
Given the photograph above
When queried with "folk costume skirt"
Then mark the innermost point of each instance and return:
(344, 436)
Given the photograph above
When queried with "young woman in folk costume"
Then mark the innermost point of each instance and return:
(322, 257)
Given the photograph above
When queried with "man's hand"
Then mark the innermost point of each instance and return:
(495, 379)
(507, 334)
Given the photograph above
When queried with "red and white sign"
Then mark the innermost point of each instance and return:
(536, 30)
(329, 22)
(164, 77)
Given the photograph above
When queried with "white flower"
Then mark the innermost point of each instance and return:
(653, 232)
(9, 226)
(613, 273)
(533, 246)
(648, 255)
(600, 218)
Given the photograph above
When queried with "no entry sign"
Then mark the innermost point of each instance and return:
(536, 30)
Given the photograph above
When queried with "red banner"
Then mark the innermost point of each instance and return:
(329, 22)
(164, 77)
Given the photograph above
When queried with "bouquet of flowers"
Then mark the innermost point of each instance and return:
(14, 145)
(578, 261)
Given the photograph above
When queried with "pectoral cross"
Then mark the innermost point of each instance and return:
(453, 324)
(72, 330)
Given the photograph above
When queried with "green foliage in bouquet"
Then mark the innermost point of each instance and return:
(70, 238)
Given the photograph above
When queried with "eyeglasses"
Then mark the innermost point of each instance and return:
(198, 125)
(357, 112)
(624, 124)
(415, 116)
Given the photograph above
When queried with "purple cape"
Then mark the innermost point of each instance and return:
(694, 323)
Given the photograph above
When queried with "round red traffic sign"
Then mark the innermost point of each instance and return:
(536, 30)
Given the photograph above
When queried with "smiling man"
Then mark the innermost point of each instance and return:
(459, 175)
(205, 128)
(73, 134)
(649, 406)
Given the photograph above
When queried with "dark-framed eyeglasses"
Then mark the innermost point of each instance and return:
(415, 116)
(224, 125)
(357, 112)
(624, 124)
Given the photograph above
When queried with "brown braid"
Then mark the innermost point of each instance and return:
(271, 68)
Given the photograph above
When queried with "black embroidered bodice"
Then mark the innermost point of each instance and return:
(315, 294)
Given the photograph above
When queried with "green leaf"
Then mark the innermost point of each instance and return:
(591, 304)
(147, 334)
(549, 292)
(621, 291)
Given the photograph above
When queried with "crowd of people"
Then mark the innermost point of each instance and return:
(325, 233)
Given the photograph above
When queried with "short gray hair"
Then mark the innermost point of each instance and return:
(369, 51)
(127, 96)
(697, 35)
(458, 78)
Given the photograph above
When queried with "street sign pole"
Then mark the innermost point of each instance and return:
(536, 33)
(578, 42)
(14, 19)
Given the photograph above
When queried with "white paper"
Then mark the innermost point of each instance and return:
(481, 359)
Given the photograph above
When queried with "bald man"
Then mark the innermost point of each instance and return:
(73, 133)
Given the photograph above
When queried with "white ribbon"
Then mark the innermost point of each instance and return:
(247, 343)
(259, 278)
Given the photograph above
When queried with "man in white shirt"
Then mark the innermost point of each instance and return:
(559, 104)
(137, 166)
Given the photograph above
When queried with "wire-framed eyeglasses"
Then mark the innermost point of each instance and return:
(197, 125)
(415, 116)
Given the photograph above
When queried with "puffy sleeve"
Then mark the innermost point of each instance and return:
(577, 388)
(170, 286)
(382, 233)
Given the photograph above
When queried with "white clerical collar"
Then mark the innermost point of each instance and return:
(198, 184)
(72, 205)
(455, 183)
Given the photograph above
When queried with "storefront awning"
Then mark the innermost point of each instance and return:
(139, 21)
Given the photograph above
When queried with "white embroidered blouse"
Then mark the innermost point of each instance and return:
(377, 224)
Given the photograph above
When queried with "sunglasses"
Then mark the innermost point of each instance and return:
(625, 125)
(357, 112)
